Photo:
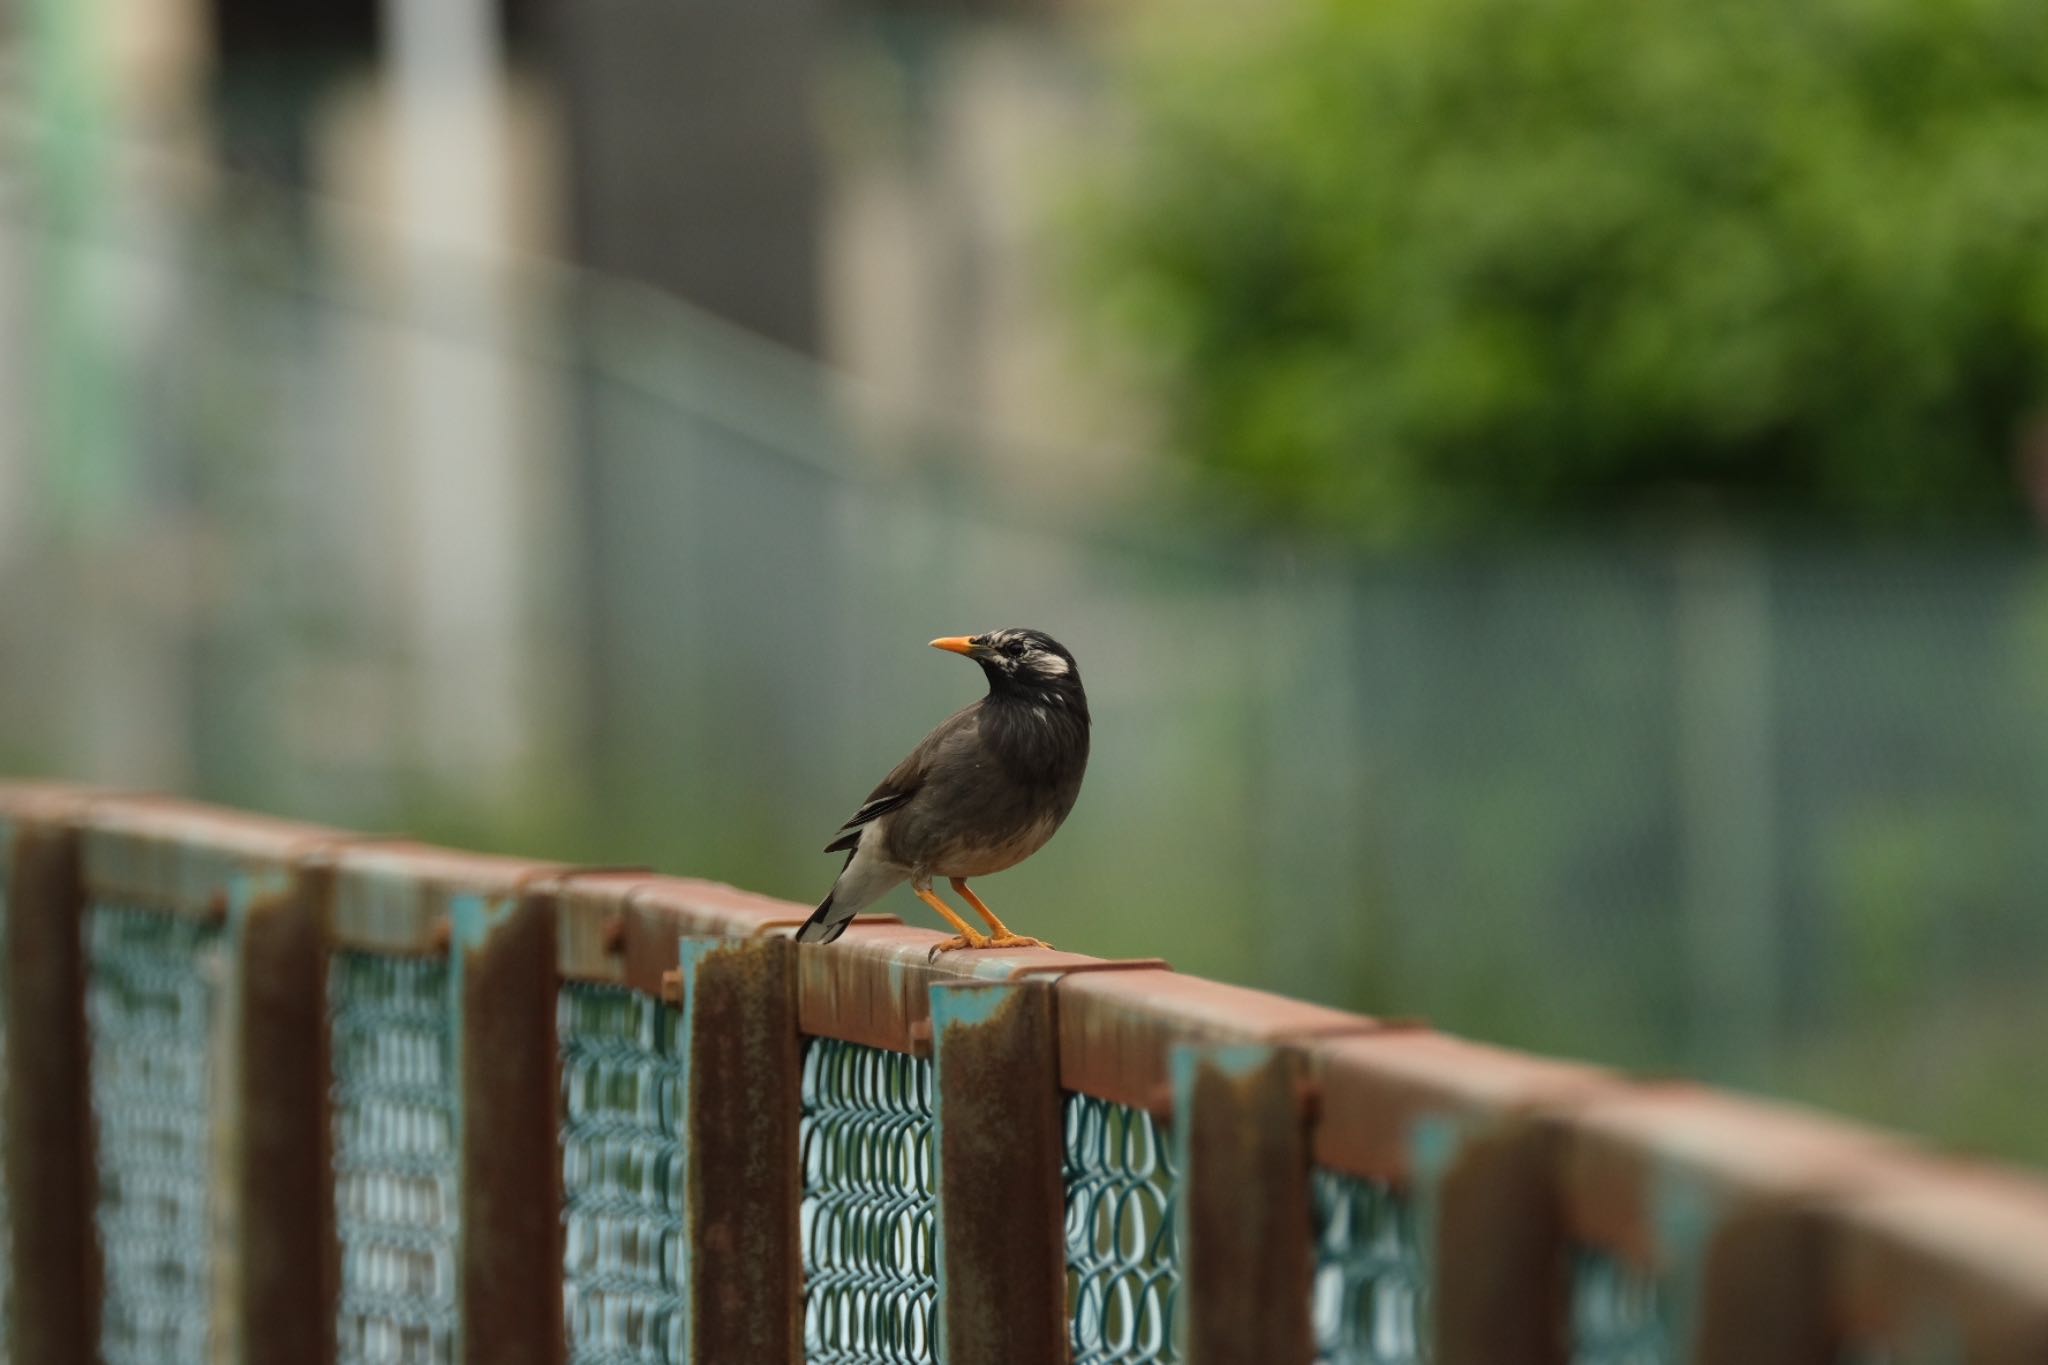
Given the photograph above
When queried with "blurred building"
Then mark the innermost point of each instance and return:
(862, 184)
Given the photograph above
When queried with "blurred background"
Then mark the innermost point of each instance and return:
(1547, 495)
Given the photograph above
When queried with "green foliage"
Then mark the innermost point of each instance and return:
(1416, 267)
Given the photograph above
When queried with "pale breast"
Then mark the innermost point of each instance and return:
(963, 859)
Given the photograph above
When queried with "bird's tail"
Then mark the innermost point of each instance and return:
(823, 926)
(861, 883)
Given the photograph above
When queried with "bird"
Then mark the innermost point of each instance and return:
(982, 792)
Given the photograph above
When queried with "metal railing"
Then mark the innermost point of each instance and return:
(279, 1093)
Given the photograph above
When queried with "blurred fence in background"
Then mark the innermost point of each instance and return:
(280, 1093)
(296, 515)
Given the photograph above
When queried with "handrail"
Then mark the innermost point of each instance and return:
(1543, 1202)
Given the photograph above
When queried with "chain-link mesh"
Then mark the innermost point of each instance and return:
(150, 997)
(395, 1196)
(1369, 1276)
(1123, 1257)
(869, 1207)
(621, 1176)
(1618, 1313)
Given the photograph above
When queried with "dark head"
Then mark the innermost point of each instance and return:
(1026, 665)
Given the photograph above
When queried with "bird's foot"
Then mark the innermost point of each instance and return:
(1016, 941)
(972, 940)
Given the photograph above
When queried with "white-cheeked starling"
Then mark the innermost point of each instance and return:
(982, 792)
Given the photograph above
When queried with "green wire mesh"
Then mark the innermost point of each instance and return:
(150, 995)
(869, 1208)
(622, 1225)
(1123, 1259)
(395, 1194)
(1366, 1304)
(1618, 1313)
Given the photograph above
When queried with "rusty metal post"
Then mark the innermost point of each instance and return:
(1245, 1222)
(1763, 1289)
(1501, 1277)
(48, 1130)
(1001, 1233)
(503, 949)
(742, 1188)
(284, 1205)
(1469, 1135)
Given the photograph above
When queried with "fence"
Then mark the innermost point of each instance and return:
(1761, 801)
(280, 1093)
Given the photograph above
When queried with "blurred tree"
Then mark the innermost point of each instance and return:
(1409, 268)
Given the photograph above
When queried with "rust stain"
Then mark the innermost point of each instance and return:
(744, 1263)
(511, 1285)
(1002, 1274)
(289, 1257)
(1117, 1029)
(49, 1154)
(1502, 1265)
(1248, 1247)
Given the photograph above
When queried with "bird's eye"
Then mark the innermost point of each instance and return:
(1014, 648)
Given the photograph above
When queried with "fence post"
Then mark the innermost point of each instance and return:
(1470, 1136)
(54, 1256)
(742, 1182)
(1245, 1224)
(1001, 1248)
(285, 1203)
(503, 948)
(1715, 1200)
(1499, 1261)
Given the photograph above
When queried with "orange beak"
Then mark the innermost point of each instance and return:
(958, 644)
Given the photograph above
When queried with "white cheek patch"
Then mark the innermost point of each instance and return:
(1052, 665)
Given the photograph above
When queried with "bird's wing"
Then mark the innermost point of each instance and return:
(881, 803)
(904, 780)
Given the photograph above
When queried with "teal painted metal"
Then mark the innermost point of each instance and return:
(1626, 1315)
(869, 1210)
(1619, 1315)
(1235, 1060)
(395, 1102)
(1123, 1257)
(1371, 1279)
(470, 920)
(621, 1176)
(151, 998)
(1684, 1213)
(968, 1003)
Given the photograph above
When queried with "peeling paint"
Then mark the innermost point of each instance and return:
(1245, 1218)
(969, 1005)
(741, 1258)
(997, 1152)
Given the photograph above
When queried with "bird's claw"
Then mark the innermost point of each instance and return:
(1016, 941)
(947, 945)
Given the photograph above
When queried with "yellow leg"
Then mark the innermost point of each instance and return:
(1003, 938)
(968, 937)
